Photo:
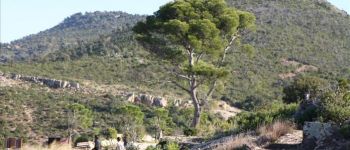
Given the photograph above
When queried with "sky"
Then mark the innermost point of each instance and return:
(20, 18)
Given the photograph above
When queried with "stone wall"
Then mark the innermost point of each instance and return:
(52, 83)
(148, 100)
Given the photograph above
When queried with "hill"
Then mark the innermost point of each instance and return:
(292, 38)
(70, 32)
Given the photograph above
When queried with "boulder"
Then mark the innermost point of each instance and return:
(74, 85)
(64, 84)
(317, 136)
(15, 76)
(160, 102)
(130, 98)
(146, 99)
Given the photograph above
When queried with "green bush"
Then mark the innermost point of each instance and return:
(152, 148)
(302, 85)
(82, 138)
(251, 120)
(308, 115)
(112, 133)
(172, 146)
(335, 106)
(345, 131)
(168, 145)
(190, 131)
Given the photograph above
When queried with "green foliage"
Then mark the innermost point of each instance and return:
(112, 133)
(273, 112)
(199, 32)
(190, 131)
(172, 146)
(303, 85)
(191, 24)
(345, 131)
(168, 145)
(335, 106)
(82, 116)
(130, 120)
(309, 114)
(71, 32)
(82, 138)
(151, 148)
(132, 112)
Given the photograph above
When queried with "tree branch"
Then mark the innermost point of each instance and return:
(233, 38)
(211, 90)
(220, 64)
(180, 86)
(199, 57)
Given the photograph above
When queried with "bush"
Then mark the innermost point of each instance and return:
(172, 146)
(276, 111)
(190, 131)
(82, 138)
(112, 133)
(152, 148)
(168, 145)
(273, 131)
(302, 85)
(308, 115)
(345, 131)
(335, 106)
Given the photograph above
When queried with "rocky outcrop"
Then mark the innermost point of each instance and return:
(148, 100)
(320, 136)
(52, 83)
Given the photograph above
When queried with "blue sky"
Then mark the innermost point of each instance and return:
(23, 17)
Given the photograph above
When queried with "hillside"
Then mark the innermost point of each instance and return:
(69, 33)
(98, 50)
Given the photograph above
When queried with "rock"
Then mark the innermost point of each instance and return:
(131, 98)
(148, 138)
(52, 83)
(137, 100)
(63, 84)
(317, 135)
(160, 102)
(15, 76)
(146, 99)
(74, 85)
(177, 102)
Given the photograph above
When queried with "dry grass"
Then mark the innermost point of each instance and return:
(238, 142)
(270, 133)
(52, 147)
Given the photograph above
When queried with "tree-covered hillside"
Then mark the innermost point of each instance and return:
(311, 32)
(292, 39)
(73, 30)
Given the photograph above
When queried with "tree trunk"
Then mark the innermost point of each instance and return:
(197, 109)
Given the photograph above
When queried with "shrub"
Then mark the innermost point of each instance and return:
(272, 132)
(345, 131)
(335, 106)
(302, 85)
(82, 138)
(112, 133)
(276, 111)
(190, 131)
(239, 142)
(152, 148)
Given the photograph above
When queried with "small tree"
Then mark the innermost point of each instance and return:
(194, 35)
(131, 121)
(335, 105)
(81, 117)
(303, 86)
(112, 133)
